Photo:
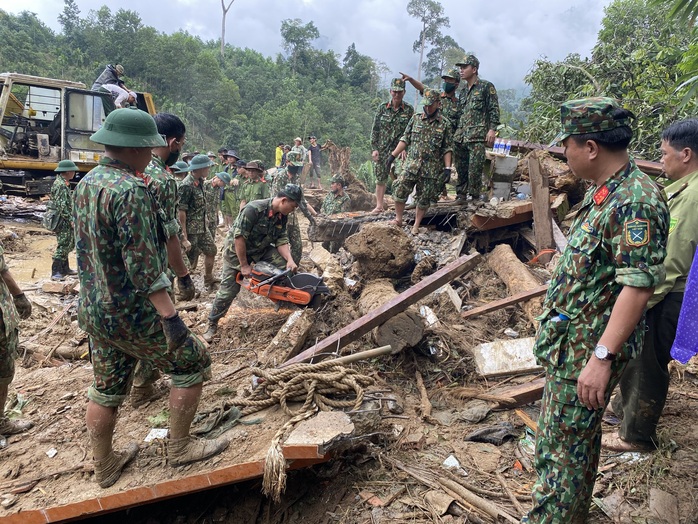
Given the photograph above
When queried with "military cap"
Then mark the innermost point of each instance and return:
(199, 162)
(588, 115)
(452, 73)
(255, 164)
(119, 69)
(180, 166)
(312, 137)
(211, 153)
(337, 179)
(231, 152)
(294, 157)
(292, 192)
(240, 163)
(469, 60)
(225, 177)
(397, 84)
(129, 128)
(66, 165)
(431, 96)
(287, 147)
(187, 154)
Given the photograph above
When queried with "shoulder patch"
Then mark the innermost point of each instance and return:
(637, 232)
(493, 91)
(601, 194)
(673, 222)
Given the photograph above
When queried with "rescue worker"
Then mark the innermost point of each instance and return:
(254, 187)
(124, 306)
(336, 201)
(259, 234)
(212, 193)
(61, 202)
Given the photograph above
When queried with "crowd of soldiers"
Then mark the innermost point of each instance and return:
(615, 294)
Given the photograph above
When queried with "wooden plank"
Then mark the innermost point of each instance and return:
(400, 303)
(559, 237)
(505, 302)
(505, 357)
(519, 212)
(527, 420)
(540, 194)
(521, 394)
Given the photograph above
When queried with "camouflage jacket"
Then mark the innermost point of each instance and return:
(617, 239)
(478, 106)
(450, 109)
(120, 247)
(260, 227)
(164, 187)
(250, 191)
(62, 199)
(281, 178)
(336, 204)
(213, 200)
(10, 317)
(193, 202)
(428, 140)
(388, 126)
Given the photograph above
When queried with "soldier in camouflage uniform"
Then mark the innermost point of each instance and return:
(124, 305)
(13, 306)
(196, 237)
(429, 141)
(255, 187)
(388, 126)
(62, 203)
(230, 204)
(593, 315)
(212, 194)
(336, 201)
(478, 113)
(259, 234)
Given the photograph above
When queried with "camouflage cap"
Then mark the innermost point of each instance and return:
(199, 162)
(338, 179)
(397, 84)
(452, 73)
(129, 128)
(187, 154)
(294, 158)
(468, 60)
(431, 96)
(225, 177)
(66, 165)
(292, 192)
(211, 153)
(256, 165)
(588, 115)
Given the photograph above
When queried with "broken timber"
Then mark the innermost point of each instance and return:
(521, 394)
(363, 325)
(542, 215)
(505, 302)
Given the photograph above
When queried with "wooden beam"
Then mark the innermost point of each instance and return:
(400, 303)
(540, 194)
(559, 237)
(521, 394)
(505, 302)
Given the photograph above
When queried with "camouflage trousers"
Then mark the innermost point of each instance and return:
(293, 229)
(470, 164)
(113, 363)
(213, 229)
(229, 288)
(381, 172)
(8, 353)
(428, 189)
(201, 243)
(66, 241)
(568, 445)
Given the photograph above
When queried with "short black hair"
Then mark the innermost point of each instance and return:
(169, 125)
(682, 134)
(223, 150)
(614, 140)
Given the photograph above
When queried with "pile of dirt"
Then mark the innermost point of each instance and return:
(381, 250)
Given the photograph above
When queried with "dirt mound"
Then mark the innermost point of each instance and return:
(381, 250)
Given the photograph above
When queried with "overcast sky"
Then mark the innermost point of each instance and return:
(507, 35)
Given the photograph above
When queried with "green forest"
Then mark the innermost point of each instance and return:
(645, 55)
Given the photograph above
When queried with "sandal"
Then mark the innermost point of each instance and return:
(613, 442)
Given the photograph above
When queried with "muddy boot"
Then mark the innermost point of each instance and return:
(57, 270)
(210, 280)
(108, 470)
(141, 395)
(187, 291)
(211, 331)
(189, 449)
(66, 269)
(13, 427)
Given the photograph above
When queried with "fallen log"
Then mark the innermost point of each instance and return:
(505, 302)
(517, 277)
(363, 325)
(401, 331)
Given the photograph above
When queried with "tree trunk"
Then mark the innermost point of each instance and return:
(225, 12)
(421, 57)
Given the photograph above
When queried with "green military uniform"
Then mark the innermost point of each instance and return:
(122, 260)
(193, 201)
(645, 383)
(293, 228)
(336, 204)
(479, 113)
(212, 195)
(388, 126)
(164, 187)
(62, 202)
(428, 140)
(263, 231)
(230, 204)
(254, 190)
(617, 239)
(9, 333)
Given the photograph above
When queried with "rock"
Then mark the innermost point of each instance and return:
(382, 250)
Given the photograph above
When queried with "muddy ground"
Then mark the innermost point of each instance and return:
(363, 484)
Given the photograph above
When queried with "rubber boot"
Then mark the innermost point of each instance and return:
(66, 269)
(13, 427)
(57, 270)
(108, 470)
(190, 449)
(211, 331)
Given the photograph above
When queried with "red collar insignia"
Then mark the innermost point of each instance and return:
(600, 195)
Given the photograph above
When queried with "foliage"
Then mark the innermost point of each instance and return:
(431, 14)
(367, 175)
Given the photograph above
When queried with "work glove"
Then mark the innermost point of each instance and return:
(24, 307)
(446, 175)
(389, 162)
(176, 332)
(186, 287)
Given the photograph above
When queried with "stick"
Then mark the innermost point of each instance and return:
(488, 507)
(424, 404)
(53, 322)
(511, 496)
(505, 302)
(383, 350)
(527, 420)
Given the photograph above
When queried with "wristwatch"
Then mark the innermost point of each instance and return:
(602, 353)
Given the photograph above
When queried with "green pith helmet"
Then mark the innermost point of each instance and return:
(199, 162)
(129, 128)
(66, 165)
(292, 192)
(180, 166)
(224, 177)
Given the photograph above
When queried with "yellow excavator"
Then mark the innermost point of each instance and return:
(44, 121)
